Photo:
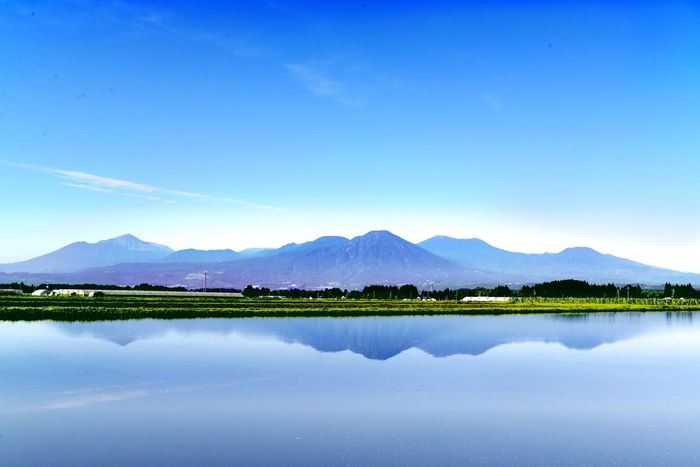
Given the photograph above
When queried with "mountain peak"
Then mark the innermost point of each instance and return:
(127, 236)
(82, 255)
(132, 243)
(378, 235)
(580, 252)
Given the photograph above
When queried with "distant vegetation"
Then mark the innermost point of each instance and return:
(581, 289)
(31, 288)
(76, 308)
(569, 288)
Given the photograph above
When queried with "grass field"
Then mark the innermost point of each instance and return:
(115, 308)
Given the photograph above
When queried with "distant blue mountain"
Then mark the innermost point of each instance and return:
(378, 257)
(201, 256)
(472, 252)
(572, 263)
(81, 255)
(375, 258)
(255, 252)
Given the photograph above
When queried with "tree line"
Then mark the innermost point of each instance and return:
(582, 289)
(555, 289)
(29, 288)
(569, 288)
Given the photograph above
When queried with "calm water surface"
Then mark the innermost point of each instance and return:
(599, 389)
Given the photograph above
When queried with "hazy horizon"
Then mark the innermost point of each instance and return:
(530, 125)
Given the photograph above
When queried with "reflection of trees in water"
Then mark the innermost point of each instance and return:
(679, 316)
(633, 316)
(570, 317)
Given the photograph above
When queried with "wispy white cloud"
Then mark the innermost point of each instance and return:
(91, 396)
(105, 190)
(314, 82)
(92, 389)
(492, 100)
(100, 184)
(135, 19)
(86, 187)
(316, 78)
(344, 78)
(103, 182)
(165, 21)
(94, 399)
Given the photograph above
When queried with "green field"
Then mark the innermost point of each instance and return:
(115, 308)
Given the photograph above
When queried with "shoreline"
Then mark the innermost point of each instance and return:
(125, 308)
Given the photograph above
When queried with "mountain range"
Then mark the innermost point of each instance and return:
(82, 255)
(382, 338)
(378, 257)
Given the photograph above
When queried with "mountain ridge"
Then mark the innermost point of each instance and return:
(191, 255)
(377, 257)
(581, 263)
(81, 255)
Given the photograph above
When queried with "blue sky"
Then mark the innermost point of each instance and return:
(532, 125)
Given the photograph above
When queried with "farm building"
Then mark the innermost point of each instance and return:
(10, 292)
(80, 293)
(485, 299)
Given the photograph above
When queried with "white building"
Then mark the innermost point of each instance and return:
(80, 293)
(485, 299)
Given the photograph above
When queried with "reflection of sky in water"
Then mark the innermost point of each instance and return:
(529, 390)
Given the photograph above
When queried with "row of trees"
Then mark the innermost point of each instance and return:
(680, 291)
(25, 288)
(554, 289)
(582, 289)
(377, 292)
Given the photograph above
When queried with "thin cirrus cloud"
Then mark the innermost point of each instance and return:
(92, 396)
(134, 19)
(320, 85)
(492, 100)
(97, 183)
(314, 82)
(221, 40)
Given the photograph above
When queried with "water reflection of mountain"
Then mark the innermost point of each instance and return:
(381, 338)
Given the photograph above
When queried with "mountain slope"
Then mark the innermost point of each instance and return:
(572, 263)
(378, 257)
(250, 252)
(375, 258)
(191, 255)
(471, 252)
(81, 255)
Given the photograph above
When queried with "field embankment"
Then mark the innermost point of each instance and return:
(119, 308)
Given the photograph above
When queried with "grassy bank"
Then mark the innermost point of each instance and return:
(24, 308)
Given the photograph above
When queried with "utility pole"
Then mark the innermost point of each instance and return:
(205, 281)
